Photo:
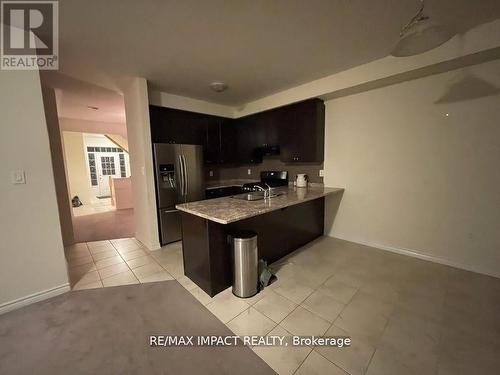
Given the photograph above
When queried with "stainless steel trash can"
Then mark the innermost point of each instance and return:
(245, 271)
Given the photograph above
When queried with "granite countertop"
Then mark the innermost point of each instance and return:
(227, 210)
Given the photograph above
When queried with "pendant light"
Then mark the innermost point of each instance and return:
(421, 35)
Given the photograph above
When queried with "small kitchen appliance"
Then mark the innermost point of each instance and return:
(301, 180)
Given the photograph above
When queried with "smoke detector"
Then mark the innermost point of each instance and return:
(218, 86)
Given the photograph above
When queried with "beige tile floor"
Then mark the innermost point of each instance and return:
(120, 262)
(404, 315)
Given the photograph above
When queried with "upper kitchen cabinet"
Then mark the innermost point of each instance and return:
(220, 141)
(227, 141)
(248, 139)
(170, 125)
(294, 131)
(302, 132)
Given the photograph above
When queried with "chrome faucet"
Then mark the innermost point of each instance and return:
(267, 192)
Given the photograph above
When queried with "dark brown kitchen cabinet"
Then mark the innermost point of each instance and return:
(175, 126)
(220, 145)
(248, 139)
(212, 142)
(302, 132)
(295, 131)
(227, 141)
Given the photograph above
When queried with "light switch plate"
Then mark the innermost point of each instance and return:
(249, 171)
(211, 173)
(321, 173)
(18, 177)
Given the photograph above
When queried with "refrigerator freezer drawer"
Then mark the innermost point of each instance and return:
(170, 221)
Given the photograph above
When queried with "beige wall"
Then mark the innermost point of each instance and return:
(57, 157)
(417, 180)
(76, 167)
(141, 160)
(32, 264)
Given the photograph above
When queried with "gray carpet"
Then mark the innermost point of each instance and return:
(106, 331)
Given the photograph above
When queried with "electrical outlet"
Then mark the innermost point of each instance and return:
(249, 171)
(211, 173)
(18, 177)
(321, 173)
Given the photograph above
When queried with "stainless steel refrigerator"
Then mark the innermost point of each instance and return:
(179, 179)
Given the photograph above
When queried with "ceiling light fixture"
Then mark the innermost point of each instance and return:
(421, 35)
(218, 86)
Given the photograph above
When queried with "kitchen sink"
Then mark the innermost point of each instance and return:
(255, 196)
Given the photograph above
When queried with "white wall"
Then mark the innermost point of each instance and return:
(415, 179)
(141, 160)
(32, 255)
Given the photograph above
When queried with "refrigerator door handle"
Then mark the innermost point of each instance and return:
(186, 176)
(181, 175)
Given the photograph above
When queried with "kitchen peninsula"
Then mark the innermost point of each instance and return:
(283, 223)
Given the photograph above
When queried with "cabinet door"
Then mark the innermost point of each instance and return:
(247, 141)
(192, 129)
(302, 132)
(227, 133)
(162, 130)
(178, 126)
(267, 126)
(212, 144)
(288, 134)
(175, 126)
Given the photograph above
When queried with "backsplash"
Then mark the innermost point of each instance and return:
(269, 163)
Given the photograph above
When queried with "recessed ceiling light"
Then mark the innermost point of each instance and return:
(218, 86)
(92, 107)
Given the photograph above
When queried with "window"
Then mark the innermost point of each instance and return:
(123, 171)
(108, 165)
(93, 170)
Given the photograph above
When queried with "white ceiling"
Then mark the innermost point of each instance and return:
(258, 47)
(74, 98)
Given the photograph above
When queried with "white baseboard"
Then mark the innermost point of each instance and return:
(35, 297)
(419, 255)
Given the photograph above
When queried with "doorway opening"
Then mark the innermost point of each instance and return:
(98, 171)
(90, 152)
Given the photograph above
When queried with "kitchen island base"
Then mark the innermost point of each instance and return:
(207, 249)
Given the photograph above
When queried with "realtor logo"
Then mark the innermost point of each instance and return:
(29, 35)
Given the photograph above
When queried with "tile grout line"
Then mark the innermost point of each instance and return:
(119, 254)
(331, 324)
(128, 266)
